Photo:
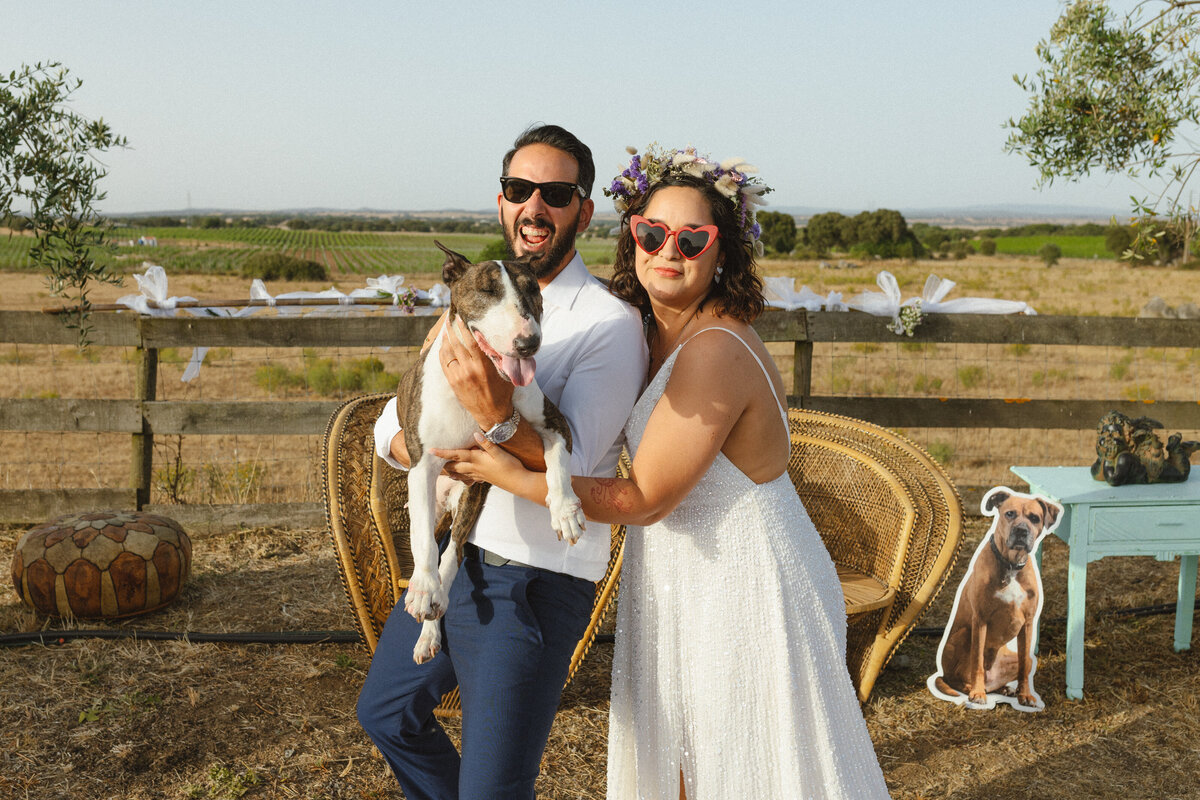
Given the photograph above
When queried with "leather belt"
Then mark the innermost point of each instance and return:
(488, 557)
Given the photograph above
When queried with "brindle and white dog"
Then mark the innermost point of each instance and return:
(501, 304)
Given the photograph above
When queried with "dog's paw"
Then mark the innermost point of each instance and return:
(428, 645)
(566, 516)
(1028, 701)
(425, 597)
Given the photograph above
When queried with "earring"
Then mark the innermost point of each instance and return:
(717, 277)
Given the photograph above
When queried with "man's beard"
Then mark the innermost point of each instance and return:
(549, 259)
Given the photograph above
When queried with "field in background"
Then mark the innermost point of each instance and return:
(224, 250)
(1072, 246)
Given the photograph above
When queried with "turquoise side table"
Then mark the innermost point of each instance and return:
(1158, 519)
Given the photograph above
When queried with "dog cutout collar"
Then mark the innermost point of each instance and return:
(1011, 568)
(502, 431)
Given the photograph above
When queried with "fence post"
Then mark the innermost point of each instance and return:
(802, 372)
(143, 443)
(802, 355)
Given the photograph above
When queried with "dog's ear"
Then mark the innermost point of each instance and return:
(1050, 512)
(454, 265)
(995, 498)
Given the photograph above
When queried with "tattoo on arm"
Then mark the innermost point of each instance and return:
(612, 493)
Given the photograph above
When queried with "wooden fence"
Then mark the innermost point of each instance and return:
(143, 417)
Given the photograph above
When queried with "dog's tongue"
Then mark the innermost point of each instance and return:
(519, 370)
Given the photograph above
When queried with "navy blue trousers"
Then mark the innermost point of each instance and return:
(508, 636)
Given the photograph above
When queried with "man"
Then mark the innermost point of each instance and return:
(522, 599)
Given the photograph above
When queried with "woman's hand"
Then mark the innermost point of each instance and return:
(488, 462)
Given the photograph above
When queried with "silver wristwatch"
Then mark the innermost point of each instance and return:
(501, 432)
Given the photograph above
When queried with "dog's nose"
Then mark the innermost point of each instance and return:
(527, 345)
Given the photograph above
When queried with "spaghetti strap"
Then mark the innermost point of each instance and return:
(767, 375)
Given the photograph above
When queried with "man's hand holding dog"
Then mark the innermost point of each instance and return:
(485, 394)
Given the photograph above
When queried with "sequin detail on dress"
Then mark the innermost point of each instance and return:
(730, 648)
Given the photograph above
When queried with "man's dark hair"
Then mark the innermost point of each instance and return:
(560, 139)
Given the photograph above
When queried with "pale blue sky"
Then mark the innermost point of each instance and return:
(409, 106)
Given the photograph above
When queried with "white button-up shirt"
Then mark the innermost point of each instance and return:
(592, 365)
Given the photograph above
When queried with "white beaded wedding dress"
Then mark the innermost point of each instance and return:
(730, 648)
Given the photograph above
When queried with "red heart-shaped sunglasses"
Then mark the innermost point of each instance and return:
(691, 242)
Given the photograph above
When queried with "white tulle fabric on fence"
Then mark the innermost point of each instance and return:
(781, 293)
(154, 300)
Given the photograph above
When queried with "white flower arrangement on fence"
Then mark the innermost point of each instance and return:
(906, 314)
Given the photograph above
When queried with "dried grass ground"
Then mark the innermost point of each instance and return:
(139, 720)
(128, 719)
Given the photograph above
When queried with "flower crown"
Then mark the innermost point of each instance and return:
(730, 177)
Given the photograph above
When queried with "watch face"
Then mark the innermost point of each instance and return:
(503, 431)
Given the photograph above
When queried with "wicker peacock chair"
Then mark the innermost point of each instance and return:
(892, 522)
(368, 521)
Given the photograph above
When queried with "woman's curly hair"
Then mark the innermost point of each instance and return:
(738, 293)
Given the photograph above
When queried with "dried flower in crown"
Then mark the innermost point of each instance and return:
(730, 177)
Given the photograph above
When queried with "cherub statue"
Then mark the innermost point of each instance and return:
(1129, 451)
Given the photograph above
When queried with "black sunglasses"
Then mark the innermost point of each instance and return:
(557, 194)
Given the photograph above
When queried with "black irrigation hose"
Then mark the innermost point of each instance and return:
(352, 637)
(282, 637)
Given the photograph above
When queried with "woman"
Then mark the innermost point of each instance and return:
(729, 673)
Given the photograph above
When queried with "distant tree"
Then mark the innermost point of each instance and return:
(156, 222)
(1111, 95)
(882, 232)
(495, 250)
(50, 175)
(1118, 239)
(961, 249)
(277, 266)
(931, 236)
(15, 222)
(1049, 253)
(778, 231)
(823, 231)
(413, 224)
(987, 246)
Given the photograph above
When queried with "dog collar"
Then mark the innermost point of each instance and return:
(501, 432)
(1011, 568)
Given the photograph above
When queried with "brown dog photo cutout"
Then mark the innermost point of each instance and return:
(986, 653)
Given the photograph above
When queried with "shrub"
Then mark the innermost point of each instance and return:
(1141, 393)
(1049, 253)
(496, 250)
(778, 231)
(941, 451)
(277, 266)
(925, 384)
(1118, 239)
(322, 376)
(1119, 369)
(971, 376)
(987, 246)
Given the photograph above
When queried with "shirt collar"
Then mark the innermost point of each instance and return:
(567, 284)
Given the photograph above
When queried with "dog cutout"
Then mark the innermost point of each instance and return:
(986, 653)
(501, 304)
